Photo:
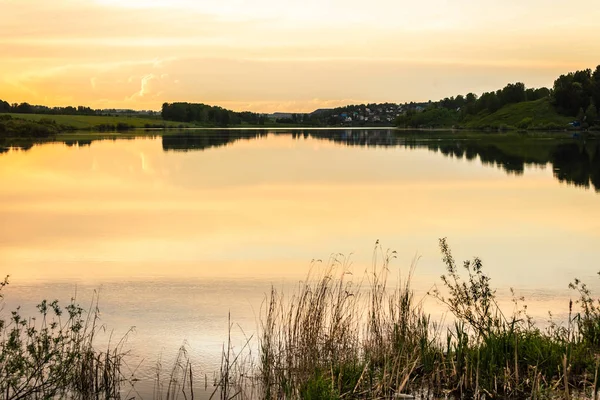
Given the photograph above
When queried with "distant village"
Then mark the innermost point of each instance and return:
(378, 114)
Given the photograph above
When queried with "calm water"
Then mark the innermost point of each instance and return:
(177, 232)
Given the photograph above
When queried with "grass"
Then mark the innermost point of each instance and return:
(337, 336)
(538, 114)
(86, 122)
(106, 123)
(339, 339)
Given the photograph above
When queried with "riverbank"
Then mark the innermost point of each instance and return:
(331, 340)
(28, 125)
(339, 337)
(533, 116)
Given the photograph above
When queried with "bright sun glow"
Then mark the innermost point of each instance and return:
(268, 55)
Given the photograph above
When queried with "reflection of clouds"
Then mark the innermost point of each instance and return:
(277, 197)
(145, 164)
(231, 221)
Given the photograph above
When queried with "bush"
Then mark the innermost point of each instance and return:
(52, 356)
(122, 126)
(525, 123)
(588, 319)
(47, 121)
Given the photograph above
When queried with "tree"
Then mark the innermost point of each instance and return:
(470, 101)
(24, 108)
(471, 98)
(568, 94)
(580, 115)
(542, 92)
(4, 106)
(513, 93)
(591, 114)
(596, 85)
(536, 94)
(489, 102)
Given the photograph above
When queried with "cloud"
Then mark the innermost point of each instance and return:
(267, 55)
(146, 88)
(152, 86)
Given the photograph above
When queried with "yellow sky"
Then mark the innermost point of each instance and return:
(284, 55)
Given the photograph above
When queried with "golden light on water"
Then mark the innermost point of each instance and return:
(127, 208)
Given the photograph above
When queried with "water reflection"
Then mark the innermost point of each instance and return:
(207, 140)
(575, 162)
(178, 237)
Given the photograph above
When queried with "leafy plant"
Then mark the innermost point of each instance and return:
(51, 355)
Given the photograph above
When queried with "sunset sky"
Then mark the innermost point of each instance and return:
(285, 55)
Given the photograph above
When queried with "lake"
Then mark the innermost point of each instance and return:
(176, 232)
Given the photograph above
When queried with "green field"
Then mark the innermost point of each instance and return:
(92, 121)
(538, 114)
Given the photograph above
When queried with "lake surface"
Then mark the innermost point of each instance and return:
(176, 232)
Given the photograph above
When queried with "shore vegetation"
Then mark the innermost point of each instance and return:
(336, 337)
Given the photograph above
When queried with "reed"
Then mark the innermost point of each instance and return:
(338, 338)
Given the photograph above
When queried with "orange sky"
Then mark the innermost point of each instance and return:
(268, 55)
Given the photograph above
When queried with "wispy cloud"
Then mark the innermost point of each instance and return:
(267, 53)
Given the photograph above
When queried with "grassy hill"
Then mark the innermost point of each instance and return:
(538, 114)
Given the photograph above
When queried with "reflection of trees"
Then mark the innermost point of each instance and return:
(573, 162)
(76, 143)
(595, 168)
(206, 140)
(488, 154)
(354, 137)
(578, 164)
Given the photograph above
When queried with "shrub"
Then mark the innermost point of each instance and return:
(525, 123)
(52, 355)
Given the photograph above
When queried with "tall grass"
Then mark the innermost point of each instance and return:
(338, 338)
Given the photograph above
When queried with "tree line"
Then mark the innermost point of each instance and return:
(208, 115)
(576, 94)
(493, 101)
(26, 108)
